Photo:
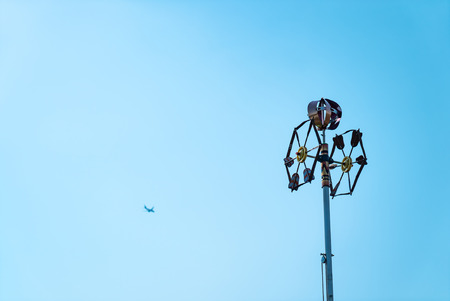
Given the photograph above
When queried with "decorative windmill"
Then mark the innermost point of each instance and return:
(325, 114)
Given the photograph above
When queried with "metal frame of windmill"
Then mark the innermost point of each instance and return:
(325, 114)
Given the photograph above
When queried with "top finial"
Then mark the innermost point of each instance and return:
(325, 113)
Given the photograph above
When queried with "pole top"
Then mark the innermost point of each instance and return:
(325, 113)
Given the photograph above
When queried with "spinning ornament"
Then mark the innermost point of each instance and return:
(347, 163)
(305, 152)
(324, 114)
(301, 155)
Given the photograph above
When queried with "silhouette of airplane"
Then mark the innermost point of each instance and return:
(149, 210)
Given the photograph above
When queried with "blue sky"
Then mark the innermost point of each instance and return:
(189, 106)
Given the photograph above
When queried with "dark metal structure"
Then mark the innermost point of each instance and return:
(325, 114)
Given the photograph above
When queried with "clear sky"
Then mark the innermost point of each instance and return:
(188, 106)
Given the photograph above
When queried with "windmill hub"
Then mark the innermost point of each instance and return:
(301, 154)
(346, 164)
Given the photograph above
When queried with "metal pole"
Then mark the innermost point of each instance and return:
(326, 213)
(328, 263)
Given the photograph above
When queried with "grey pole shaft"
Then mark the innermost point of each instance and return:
(328, 264)
(326, 218)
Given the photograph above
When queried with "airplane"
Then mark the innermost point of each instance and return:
(149, 210)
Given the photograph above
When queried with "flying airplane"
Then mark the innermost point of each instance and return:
(149, 210)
